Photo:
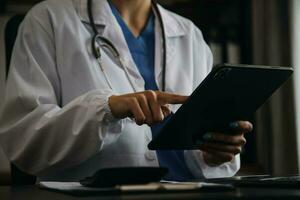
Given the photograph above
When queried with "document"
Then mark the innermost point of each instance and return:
(76, 188)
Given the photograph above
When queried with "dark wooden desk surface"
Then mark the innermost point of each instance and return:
(34, 193)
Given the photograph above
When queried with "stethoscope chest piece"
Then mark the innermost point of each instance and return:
(100, 41)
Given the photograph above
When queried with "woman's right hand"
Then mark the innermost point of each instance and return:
(148, 107)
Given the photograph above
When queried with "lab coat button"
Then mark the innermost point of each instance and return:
(150, 156)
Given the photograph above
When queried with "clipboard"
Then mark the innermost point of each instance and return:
(229, 93)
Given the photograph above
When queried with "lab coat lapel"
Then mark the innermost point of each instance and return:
(109, 28)
(173, 29)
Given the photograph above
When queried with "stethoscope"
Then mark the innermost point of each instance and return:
(100, 41)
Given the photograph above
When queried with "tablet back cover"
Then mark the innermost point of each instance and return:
(229, 93)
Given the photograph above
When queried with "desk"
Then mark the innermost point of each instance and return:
(34, 193)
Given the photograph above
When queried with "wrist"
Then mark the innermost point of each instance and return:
(109, 116)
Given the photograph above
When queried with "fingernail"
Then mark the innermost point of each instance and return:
(207, 136)
(234, 125)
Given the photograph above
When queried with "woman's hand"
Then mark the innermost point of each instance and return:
(221, 147)
(148, 107)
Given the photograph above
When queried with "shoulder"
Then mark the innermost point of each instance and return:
(50, 10)
(51, 16)
(49, 6)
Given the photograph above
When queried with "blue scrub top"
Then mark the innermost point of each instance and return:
(142, 49)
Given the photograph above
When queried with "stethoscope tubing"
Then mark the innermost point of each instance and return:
(107, 44)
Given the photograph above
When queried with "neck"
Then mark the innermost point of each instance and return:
(134, 12)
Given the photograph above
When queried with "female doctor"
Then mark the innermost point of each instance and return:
(90, 79)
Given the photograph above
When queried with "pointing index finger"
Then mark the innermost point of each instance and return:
(168, 98)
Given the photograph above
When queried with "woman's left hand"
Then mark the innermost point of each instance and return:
(220, 148)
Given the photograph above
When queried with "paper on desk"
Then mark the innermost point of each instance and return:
(77, 189)
(138, 187)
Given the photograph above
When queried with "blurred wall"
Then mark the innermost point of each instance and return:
(295, 16)
(276, 124)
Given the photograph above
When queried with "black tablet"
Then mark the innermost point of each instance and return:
(111, 177)
(229, 93)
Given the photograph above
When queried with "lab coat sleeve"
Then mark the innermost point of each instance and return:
(194, 159)
(37, 134)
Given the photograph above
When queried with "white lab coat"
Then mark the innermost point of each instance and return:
(55, 122)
